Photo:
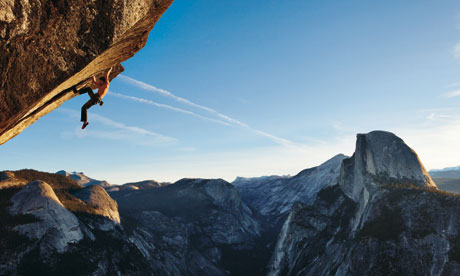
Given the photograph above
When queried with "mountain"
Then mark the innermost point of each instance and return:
(453, 174)
(54, 45)
(445, 169)
(56, 227)
(451, 185)
(96, 197)
(377, 212)
(384, 216)
(51, 225)
(84, 180)
(146, 184)
(447, 179)
(273, 196)
(193, 227)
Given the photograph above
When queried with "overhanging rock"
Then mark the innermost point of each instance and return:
(46, 47)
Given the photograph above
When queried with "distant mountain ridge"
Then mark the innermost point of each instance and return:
(273, 196)
(384, 216)
(446, 169)
(454, 174)
(447, 179)
(87, 181)
(84, 180)
(140, 185)
(377, 212)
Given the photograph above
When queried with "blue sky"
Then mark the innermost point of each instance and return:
(250, 88)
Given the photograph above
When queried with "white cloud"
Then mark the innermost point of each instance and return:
(456, 51)
(452, 94)
(455, 84)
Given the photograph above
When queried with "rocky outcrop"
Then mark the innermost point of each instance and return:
(56, 226)
(191, 227)
(52, 45)
(46, 230)
(403, 232)
(96, 197)
(375, 213)
(384, 217)
(9, 180)
(381, 158)
(273, 196)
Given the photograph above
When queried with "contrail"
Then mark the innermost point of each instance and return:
(109, 122)
(163, 92)
(173, 108)
(226, 118)
(167, 93)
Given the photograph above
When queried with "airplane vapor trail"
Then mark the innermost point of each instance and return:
(165, 106)
(224, 117)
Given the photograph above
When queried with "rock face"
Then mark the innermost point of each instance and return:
(41, 236)
(56, 226)
(375, 213)
(84, 180)
(52, 45)
(96, 196)
(274, 196)
(191, 227)
(384, 217)
(381, 157)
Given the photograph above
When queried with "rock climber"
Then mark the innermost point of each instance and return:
(103, 87)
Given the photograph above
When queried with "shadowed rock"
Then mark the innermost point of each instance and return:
(191, 227)
(49, 46)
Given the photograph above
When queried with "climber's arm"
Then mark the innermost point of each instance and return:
(108, 74)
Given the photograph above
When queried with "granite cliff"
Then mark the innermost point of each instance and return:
(192, 227)
(273, 196)
(47, 229)
(49, 46)
(375, 213)
(384, 216)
